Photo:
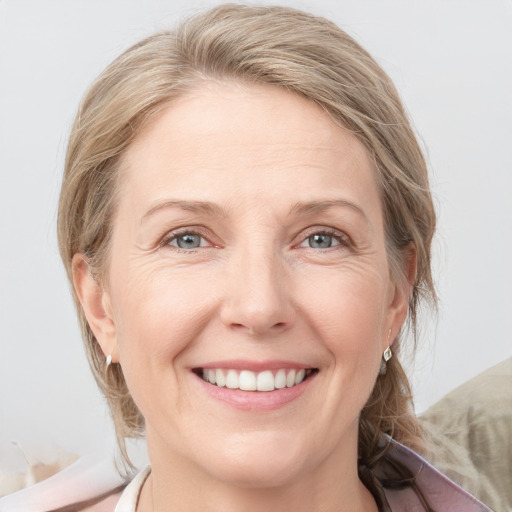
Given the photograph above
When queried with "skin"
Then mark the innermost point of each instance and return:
(257, 288)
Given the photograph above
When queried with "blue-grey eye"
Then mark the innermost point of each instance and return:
(321, 241)
(187, 241)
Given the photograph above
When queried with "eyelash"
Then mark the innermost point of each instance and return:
(343, 239)
(174, 235)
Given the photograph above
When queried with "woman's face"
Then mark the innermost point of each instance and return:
(248, 249)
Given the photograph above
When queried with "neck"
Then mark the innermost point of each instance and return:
(332, 486)
(159, 497)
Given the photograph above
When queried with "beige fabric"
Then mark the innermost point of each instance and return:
(471, 436)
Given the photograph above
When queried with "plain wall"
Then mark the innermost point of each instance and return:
(452, 63)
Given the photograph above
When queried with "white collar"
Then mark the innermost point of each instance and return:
(128, 500)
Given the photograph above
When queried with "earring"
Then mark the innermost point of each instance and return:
(108, 362)
(386, 356)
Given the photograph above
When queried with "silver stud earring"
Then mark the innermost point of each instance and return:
(386, 356)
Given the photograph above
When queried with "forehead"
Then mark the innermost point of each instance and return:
(244, 137)
(232, 108)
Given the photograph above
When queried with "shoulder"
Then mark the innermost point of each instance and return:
(105, 503)
(437, 489)
(89, 484)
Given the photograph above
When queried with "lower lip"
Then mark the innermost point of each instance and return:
(256, 400)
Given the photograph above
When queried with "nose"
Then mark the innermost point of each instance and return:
(258, 293)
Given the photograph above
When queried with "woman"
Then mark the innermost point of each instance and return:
(246, 219)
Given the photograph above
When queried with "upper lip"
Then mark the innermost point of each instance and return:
(255, 366)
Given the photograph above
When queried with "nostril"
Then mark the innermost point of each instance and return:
(258, 330)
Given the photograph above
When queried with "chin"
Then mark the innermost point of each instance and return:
(258, 460)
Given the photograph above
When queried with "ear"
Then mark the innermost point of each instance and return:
(96, 304)
(400, 294)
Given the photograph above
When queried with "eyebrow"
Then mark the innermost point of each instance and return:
(304, 208)
(299, 208)
(203, 207)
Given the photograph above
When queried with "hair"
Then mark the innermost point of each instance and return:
(282, 47)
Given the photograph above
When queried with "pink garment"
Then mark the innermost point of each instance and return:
(88, 479)
(442, 494)
(85, 479)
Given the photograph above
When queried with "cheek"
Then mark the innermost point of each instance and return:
(158, 314)
(158, 318)
(348, 315)
(346, 307)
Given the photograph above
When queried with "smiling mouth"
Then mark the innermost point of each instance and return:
(247, 380)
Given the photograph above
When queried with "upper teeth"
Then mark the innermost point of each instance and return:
(247, 380)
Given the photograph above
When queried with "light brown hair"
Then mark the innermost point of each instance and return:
(309, 56)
